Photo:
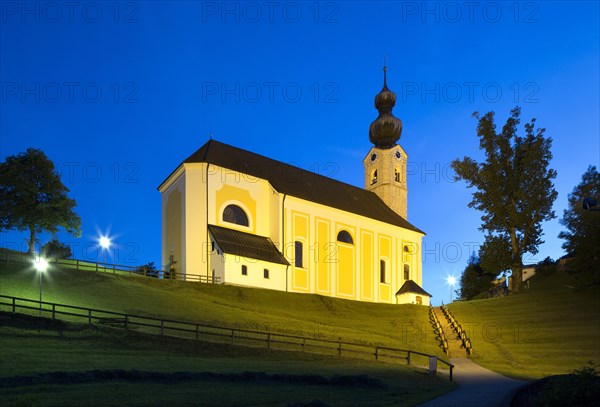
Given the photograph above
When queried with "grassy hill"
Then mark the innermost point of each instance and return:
(99, 366)
(400, 326)
(31, 354)
(551, 328)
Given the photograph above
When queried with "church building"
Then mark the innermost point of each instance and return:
(235, 217)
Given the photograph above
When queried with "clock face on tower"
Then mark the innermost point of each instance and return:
(398, 155)
(373, 157)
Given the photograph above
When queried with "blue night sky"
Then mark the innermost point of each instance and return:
(117, 94)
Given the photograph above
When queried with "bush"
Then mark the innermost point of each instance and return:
(581, 388)
(56, 250)
(546, 267)
(148, 269)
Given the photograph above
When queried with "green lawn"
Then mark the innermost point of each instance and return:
(399, 326)
(552, 328)
(27, 350)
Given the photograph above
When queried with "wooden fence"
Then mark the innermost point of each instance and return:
(460, 332)
(100, 267)
(437, 329)
(218, 334)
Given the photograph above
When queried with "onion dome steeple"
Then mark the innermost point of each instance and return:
(385, 131)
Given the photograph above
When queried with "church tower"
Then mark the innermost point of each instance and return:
(385, 165)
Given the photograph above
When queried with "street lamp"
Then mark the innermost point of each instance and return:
(105, 244)
(451, 280)
(41, 265)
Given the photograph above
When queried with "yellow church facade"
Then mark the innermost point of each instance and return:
(236, 217)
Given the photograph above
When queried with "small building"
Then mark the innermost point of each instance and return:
(528, 271)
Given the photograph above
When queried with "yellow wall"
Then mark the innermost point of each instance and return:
(367, 276)
(346, 267)
(324, 256)
(300, 231)
(173, 224)
(346, 271)
(255, 273)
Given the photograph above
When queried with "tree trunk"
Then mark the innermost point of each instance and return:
(517, 264)
(517, 276)
(31, 242)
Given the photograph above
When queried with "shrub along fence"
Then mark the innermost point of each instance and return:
(100, 267)
(218, 334)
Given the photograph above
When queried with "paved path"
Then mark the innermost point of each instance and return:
(478, 387)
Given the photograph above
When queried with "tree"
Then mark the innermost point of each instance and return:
(33, 198)
(474, 280)
(582, 236)
(514, 190)
(56, 249)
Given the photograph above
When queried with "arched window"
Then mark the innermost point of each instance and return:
(298, 253)
(396, 175)
(235, 214)
(345, 237)
(382, 276)
(374, 177)
(406, 272)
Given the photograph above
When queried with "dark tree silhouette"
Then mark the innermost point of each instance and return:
(582, 237)
(513, 189)
(474, 280)
(33, 198)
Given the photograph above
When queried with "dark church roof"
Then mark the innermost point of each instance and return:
(246, 245)
(410, 286)
(294, 181)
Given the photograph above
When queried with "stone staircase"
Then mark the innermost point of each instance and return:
(455, 345)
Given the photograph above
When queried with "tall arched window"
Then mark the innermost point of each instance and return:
(345, 237)
(382, 276)
(406, 272)
(298, 253)
(235, 214)
(396, 175)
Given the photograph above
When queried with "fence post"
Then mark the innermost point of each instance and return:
(162, 325)
(53, 311)
(196, 331)
(376, 352)
(408, 358)
(90, 316)
(14, 306)
(126, 320)
(303, 344)
(339, 346)
(77, 264)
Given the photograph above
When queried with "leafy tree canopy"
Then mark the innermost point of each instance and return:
(582, 237)
(513, 188)
(33, 198)
(474, 280)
